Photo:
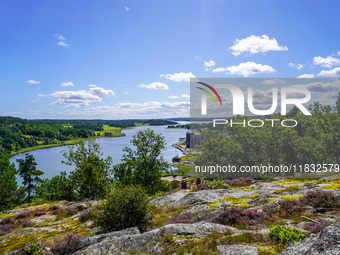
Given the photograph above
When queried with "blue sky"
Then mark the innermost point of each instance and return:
(115, 59)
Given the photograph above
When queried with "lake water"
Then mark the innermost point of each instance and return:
(49, 159)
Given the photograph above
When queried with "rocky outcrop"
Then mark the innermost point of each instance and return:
(148, 242)
(237, 249)
(327, 242)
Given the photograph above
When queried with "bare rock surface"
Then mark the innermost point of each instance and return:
(237, 249)
(327, 242)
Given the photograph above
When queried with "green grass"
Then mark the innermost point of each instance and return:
(113, 131)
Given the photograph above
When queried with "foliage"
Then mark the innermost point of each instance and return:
(125, 207)
(28, 171)
(316, 139)
(67, 244)
(287, 235)
(239, 182)
(8, 183)
(38, 212)
(85, 215)
(238, 217)
(34, 247)
(59, 187)
(144, 165)
(316, 227)
(321, 198)
(91, 173)
(290, 207)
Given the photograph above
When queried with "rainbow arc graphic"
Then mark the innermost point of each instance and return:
(209, 93)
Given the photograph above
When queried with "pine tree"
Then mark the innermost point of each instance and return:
(8, 183)
(28, 171)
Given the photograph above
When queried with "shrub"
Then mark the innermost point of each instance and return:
(34, 248)
(215, 184)
(23, 214)
(71, 211)
(287, 235)
(317, 226)
(321, 199)
(290, 207)
(239, 182)
(38, 212)
(236, 216)
(7, 220)
(25, 223)
(125, 207)
(85, 215)
(67, 244)
(53, 207)
(185, 217)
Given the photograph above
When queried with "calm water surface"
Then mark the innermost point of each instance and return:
(49, 159)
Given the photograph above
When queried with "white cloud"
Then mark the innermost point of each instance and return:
(273, 81)
(127, 8)
(338, 53)
(63, 44)
(246, 69)
(101, 92)
(92, 85)
(306, 76)
(155, 85)
(173, 97)
(220, 69)
(210, 63)
(185, 96)
(326, 62)
(178, 77)
(33, 82)
(126, 93)
(297, 66)
(256, 44)
(67, 84)
(74, 98)
(60, 37)
(333, 72)
(197, 57)
(79, 98)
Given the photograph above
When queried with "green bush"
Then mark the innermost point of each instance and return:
(125, 207)
(286, 235)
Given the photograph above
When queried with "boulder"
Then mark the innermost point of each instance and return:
(327, 242)
(237, 249)
(148, 242)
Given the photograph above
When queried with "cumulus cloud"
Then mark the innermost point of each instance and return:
(67, 84)
(246, 69)
(155, 85)
(306, 76)
(126, 93)
(101, 92)
(127, 8)
(173, 97)
(210, 63)
(333, 72)
(273, 81)
(178, 77)
(255, 44)
(75, 98)
(296, 66)
(185, 96)
(326, 62)
(80, 97)
(33, 82)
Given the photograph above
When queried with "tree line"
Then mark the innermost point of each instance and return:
(17, 133)
(315, 140)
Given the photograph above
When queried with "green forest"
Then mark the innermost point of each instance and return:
(315, 140)
(17, 134)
